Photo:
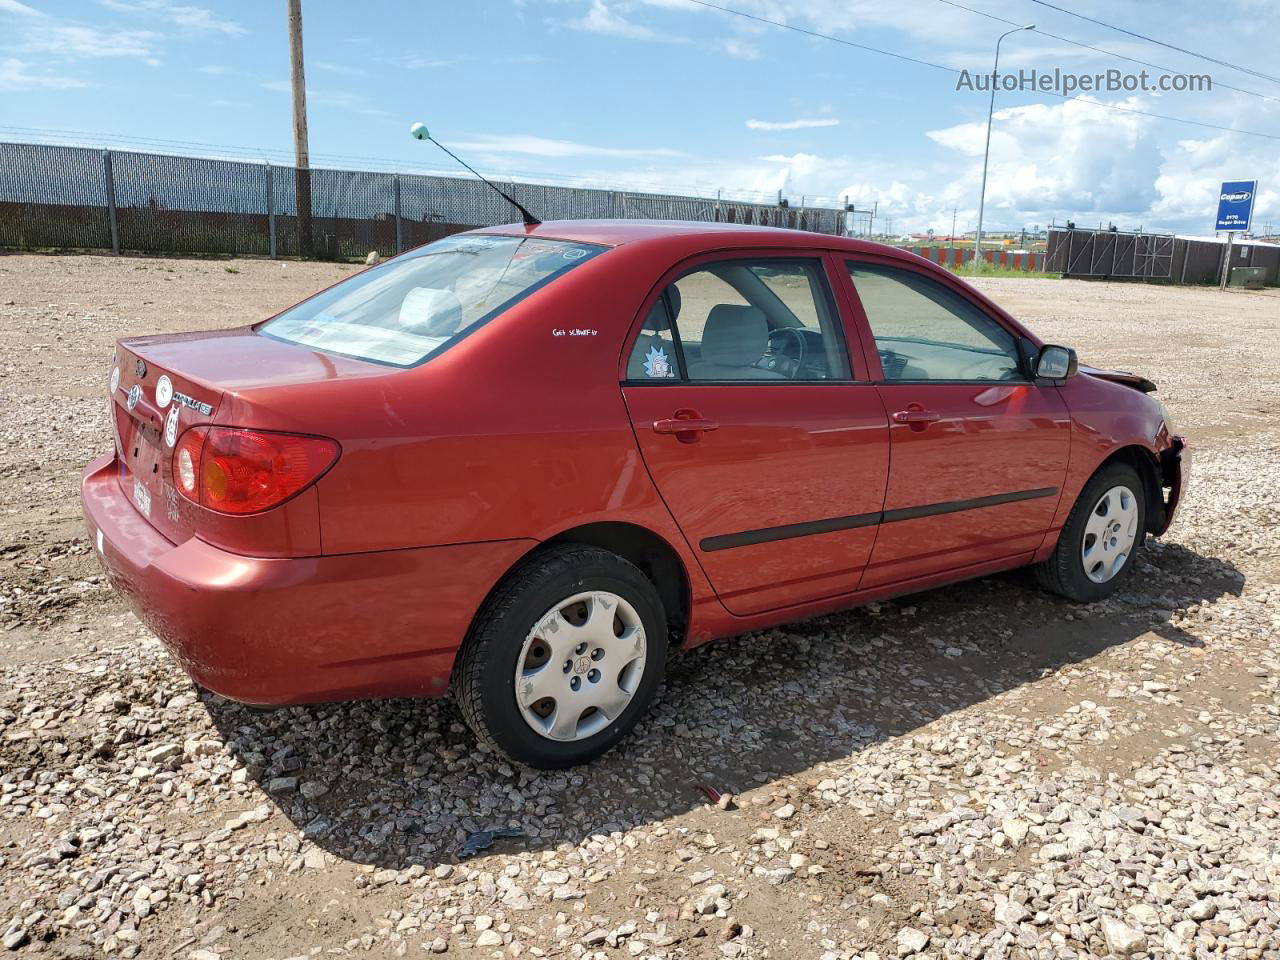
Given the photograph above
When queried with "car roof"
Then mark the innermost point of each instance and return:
(618, 232)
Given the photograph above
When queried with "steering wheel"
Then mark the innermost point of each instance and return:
(981, 370)
(798, 365)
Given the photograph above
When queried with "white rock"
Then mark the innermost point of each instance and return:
(1121, 938)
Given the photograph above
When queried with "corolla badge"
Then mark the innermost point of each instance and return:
(192, 403)
(1238, 197)
(135, 394)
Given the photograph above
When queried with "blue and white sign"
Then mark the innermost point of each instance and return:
(1235, 205)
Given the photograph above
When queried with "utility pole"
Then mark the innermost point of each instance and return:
(302, 175)
(954, 211)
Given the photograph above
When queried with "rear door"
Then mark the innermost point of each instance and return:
(765, 441)
(979, 450)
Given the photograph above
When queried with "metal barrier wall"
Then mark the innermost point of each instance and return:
(1153, 257)
(78, 197)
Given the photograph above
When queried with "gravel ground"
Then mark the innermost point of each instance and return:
(979, 771)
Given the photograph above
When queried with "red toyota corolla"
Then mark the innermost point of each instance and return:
(523, 462)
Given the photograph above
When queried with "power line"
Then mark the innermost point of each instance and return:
(822, 36)
(952, 70)
(1109, 53)
(1159, 43)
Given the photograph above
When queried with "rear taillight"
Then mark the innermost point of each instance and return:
(247, 471)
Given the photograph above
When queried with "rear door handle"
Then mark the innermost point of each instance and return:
(686, 425)
(916, 414)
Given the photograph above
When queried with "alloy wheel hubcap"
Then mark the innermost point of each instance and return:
(1109, 534)
(580, 666)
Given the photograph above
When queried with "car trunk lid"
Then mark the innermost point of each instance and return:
(152, 404)
(207, 373)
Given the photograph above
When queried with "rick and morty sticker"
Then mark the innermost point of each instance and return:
(657, 364)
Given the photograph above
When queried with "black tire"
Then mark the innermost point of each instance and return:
(484, 677)
(1064, 572)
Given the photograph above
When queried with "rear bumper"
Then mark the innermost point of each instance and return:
(280, 631)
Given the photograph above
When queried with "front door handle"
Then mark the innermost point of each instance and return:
(686, 425)
(916, 415)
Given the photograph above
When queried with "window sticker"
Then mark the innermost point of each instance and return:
(657, 364)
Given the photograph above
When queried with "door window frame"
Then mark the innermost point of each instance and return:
(1025, 345)
(828, 270)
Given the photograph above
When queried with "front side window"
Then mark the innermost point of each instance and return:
(416, 305)
(744, 320)
(923, 331)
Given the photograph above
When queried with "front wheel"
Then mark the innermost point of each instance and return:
(563, 658)
(1102, 537)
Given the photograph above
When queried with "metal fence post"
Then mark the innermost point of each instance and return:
(271, 214)
(396, 184)
(110, 181)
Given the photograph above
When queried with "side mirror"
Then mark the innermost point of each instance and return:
(1056, 363)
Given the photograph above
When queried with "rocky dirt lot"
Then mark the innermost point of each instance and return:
(980, 771)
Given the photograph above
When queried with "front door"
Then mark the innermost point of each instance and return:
(978, 450)
(770, 455)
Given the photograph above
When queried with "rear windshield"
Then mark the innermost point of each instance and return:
(414, 306)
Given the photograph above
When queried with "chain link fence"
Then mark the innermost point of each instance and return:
(83, 198)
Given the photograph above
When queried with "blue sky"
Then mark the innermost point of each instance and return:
(667, 95)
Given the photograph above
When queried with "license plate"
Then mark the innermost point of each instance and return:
(142, 497)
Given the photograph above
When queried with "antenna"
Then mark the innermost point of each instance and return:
(420, 132)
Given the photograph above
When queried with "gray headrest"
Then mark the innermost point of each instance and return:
(734, 336)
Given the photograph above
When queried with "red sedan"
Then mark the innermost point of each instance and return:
(523, 462)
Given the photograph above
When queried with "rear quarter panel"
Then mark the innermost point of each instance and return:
(518, 431)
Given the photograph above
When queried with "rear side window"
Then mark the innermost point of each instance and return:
(414, 306)
(653, 355)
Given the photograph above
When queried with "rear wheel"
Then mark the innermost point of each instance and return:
(564, 658)
(1102, 537)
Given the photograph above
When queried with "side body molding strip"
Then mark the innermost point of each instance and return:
(811, 528)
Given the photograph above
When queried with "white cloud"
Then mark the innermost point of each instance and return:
(13, 6)
(14, 76)
(76, 42)
(340, 68)
(337, 99)
(801, 124)
(180, 15)
(428, 63)
(600, 18)
(546, 147)
(741, 49)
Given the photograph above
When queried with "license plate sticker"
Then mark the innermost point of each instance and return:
(142, 497)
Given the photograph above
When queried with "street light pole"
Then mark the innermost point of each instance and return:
(986, 156)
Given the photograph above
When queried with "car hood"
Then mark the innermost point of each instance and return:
(1120, 376)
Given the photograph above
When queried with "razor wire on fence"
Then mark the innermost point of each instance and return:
(78, 197)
